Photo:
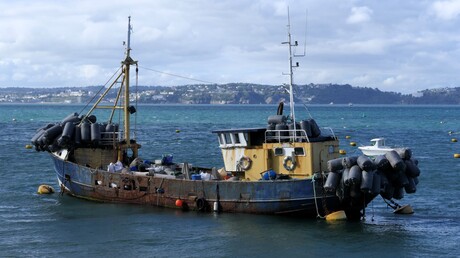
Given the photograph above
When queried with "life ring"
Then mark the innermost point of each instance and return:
(245, 163)
(289, 159)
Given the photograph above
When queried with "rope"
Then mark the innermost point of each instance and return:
(135, 114)
(394, 206)
(326, 211)
(314, 196)
(175, 75)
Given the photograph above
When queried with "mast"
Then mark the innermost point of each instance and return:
(126, 65)
(291, 56)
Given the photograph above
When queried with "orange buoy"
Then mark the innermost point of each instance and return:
(342, 152)
(179, 203)
(457, 155)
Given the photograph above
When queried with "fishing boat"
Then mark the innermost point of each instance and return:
(284, 167)
(376, 148)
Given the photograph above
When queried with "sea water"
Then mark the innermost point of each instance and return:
(35, 225)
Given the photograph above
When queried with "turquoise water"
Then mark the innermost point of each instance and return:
(52, 226)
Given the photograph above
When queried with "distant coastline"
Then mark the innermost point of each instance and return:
(236, 93)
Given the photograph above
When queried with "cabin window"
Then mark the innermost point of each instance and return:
(228, 139)
(220, 139)
(299, 151)
(236, 138)
(279, 151)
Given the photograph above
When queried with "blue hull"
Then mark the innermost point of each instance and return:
(294, 197)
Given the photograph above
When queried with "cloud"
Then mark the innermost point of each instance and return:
(45, 44)
(446, 10)
(390, 81)
(359, 15)
(361, 80)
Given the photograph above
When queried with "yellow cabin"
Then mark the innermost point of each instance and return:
(296, 153)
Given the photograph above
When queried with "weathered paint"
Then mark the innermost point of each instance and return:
(316, 155)
(261, 197)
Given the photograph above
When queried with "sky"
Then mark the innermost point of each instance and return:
(402, 46)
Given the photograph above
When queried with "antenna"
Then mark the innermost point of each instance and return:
(291, 67)
(305, 37)
(128, 47)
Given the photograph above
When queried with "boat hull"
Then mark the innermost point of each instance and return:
(372, 152)
(290, 197)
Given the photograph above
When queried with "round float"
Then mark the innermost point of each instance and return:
(45, 189)
(179, 203)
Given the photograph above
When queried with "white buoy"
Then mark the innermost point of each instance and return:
(216, 207)
(405, 209)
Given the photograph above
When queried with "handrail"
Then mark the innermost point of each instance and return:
(108, 138)
(294, 135)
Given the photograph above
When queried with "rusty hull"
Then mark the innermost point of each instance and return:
(258, 197)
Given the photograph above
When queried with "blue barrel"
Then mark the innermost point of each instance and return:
(269, 175)
(196, 177)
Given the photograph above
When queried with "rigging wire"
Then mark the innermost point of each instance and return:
(95, 95)
(294, 88)
(135, 114)
(175, 75)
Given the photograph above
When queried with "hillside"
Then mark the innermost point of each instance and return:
(237, 93)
